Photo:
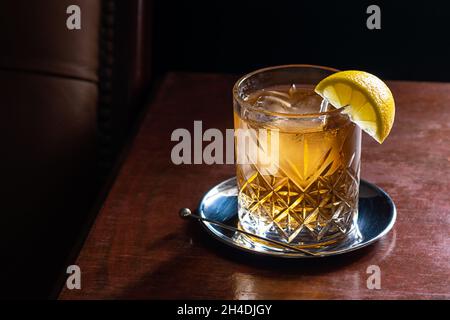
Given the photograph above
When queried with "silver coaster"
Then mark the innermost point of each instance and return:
(376, 217)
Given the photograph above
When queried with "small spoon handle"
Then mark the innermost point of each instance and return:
(186, 213)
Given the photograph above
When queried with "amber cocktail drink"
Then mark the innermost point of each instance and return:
(297, 158)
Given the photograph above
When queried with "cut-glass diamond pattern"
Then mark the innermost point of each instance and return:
(324, 208)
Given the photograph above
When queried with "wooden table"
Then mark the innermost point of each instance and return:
(139, 248)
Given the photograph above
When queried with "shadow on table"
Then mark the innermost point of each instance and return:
(306, 266)
(182, 275)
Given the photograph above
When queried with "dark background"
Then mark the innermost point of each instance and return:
(239, 36)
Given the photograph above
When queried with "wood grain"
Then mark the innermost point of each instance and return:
(139, 248)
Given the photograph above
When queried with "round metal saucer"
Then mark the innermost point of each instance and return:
(376, 216)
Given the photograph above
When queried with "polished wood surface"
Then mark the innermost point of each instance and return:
(139, 248)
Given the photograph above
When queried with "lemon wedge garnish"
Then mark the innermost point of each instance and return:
(368, 101)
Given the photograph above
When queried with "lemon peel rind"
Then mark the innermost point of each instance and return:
(373, 89)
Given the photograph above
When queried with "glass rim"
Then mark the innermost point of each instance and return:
(282, 114)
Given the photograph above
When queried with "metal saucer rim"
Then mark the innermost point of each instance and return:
(229, 242)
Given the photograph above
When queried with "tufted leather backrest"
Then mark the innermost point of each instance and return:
(67, 98)
(35, 38)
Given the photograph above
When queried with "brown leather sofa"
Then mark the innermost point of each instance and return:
(67, 100)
